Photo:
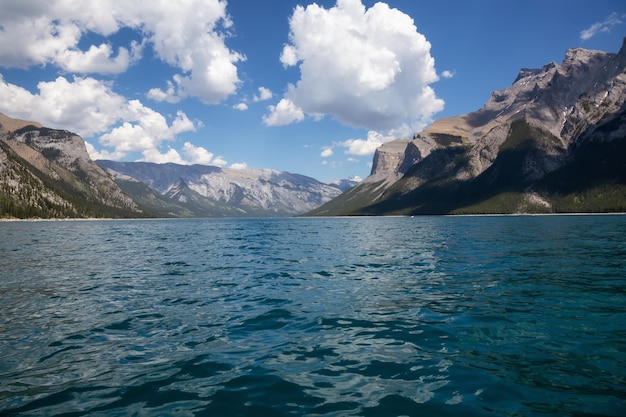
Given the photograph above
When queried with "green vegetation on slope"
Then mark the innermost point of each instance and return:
(26, 192)
(592, 179)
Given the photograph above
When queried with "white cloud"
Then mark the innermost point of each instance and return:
(103, 154)
(364, 67)
(219, 162)
(289, 55)
(130, 137)
(284, 113)
(326, 152)
(168, 95)
(85, 105)
(239, 165)
(447, 74)
(188, 35)
(157, 94)
(199, 155)
(602, 27)
(360, 147)
(97, 60)
(193, 154)
(144, 130)
(182, 124)
(89, 107)
(241, 107)
(171, 156)
(367, 146)
(264, 94)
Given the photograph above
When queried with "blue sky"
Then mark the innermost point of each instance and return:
(310, 88)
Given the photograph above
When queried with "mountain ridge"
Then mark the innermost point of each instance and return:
(552, 142)
(47, 173)
(510, 156)
(228, 191)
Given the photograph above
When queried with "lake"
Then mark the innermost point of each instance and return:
(387, 316)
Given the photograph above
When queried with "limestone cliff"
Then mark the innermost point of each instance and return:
(522, 145)
(48, 173)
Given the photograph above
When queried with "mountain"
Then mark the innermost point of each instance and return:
(48, 173)
(207, 191)
(554, 141)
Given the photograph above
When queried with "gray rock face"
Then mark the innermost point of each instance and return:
(565, 100)
(48, 173)
(545, 120)
(246, 191)
(389, 158)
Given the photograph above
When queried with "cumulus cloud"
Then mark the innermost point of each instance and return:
(144, 129)
(219, 162)
(153, 155)
(103, 154)
(367, 68)
(360, 147)
(199, 155)
(193, 154)
(602, 27)
(326, 152)
(98, 59)
(84, 105)
(188, 35)
(264, 94)
(182, 123)
(168, 95)
(447, 74)
(366, 146)
(89, 107)
(239, 165)
(241, 107)
(284, 113)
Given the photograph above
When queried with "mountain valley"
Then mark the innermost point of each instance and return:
(552, 142)
(47, 173)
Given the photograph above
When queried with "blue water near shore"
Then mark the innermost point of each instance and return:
(424, 316)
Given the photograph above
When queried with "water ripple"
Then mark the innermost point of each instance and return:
(474, 316)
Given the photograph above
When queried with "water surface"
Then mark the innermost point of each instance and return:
(472, 316)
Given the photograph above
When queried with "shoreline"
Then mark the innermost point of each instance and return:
(90, 219)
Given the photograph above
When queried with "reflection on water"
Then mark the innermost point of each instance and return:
(365, 316)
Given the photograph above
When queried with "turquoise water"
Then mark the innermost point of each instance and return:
(424, 316)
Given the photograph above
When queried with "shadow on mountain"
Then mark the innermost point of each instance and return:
(523, 178)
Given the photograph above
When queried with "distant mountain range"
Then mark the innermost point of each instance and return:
(47, 173)
(553, 142)
(207, 191)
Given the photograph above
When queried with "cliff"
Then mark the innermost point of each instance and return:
(554, 141)
(47, 173)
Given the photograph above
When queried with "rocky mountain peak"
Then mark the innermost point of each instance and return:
(61, 146)
(533, 72)
(10, 124)
(211, 191)
(48, 173)
(546, 119)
